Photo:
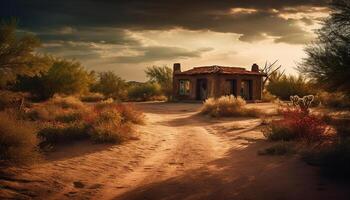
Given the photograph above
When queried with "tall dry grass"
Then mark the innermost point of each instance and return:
(228, 106)
(18, 141)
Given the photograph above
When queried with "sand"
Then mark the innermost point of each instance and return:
(179, 155)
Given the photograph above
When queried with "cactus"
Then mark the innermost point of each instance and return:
(303, 103)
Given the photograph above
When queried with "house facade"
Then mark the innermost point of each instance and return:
(201, 83)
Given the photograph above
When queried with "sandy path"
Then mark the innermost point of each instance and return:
(179, 156)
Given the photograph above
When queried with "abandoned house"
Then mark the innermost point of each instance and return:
(201, 83)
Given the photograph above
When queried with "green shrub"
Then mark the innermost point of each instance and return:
(144, 92)
(277, 131)
(285, 86)
(18, 141)
(228, 106)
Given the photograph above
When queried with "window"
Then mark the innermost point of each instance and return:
(184, 87)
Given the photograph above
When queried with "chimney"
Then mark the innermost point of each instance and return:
(255, 68)
(177, 67)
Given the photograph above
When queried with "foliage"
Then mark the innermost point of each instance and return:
(333, 100)
(17, 57)
(64, 119)
(110, 85)
(11, 99)
(18, 141)
(268, 97)
(328, 58)
(144, 92)
(296, 124)
(228, 106)
(163, 76)
(92, 97)
(284, 86)
(63, 77)
(62, 133)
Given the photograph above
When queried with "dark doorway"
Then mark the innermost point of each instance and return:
(202, 89)
(247, 89)
(231, 87)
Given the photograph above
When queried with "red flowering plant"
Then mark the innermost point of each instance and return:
(297, 122)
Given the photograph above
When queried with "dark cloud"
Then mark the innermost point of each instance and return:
(160, 15)
(156, 53)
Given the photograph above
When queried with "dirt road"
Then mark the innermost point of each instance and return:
(179, 155)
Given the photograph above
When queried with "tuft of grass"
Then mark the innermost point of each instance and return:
(228, 106)
(66, 102)
(18, 141)
(278, 149)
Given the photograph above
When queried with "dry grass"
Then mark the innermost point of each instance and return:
(67, 119)
(18, 141)
(92, 97)
(228, 106)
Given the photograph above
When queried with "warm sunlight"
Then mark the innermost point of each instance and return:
(175, 100)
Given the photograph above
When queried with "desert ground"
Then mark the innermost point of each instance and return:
(178, 155)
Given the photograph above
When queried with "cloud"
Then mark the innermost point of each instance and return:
(254, 20)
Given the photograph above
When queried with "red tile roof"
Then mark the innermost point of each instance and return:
(219, 69)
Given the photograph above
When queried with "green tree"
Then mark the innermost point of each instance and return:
(328, 58)
(17, 55)
(284, 86)
(111, 85)
(63, 77)
(163, 76)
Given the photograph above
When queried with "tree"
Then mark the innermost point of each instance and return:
(111, 85)
(17, 57)
(270, 70)
(63, 77)
(163, 76)
(328, 58)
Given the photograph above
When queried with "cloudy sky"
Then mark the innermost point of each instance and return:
(127, 36)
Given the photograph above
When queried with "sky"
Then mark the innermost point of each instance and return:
(126, 36)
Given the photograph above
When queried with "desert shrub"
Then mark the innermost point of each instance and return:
(110, 85)
(69, 117)
(113, 123)
(268, 97)
(333, 100)
(92, 97)
(286, 86)
(11, 99)
(62, 133)
(278, 149)
(145, 92)
(18, 141)
(296, 124)
(66, 102)
(228, 106)
(333, 159)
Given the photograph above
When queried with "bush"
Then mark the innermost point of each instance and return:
(63, 133)
(228, 106)
(11, 99)
(145, 92)
(268, 97)
(333, 100)
(287, 86)
(66, 102)
(296, 124)
(92, 97)
(18, 141)
(334, 159)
